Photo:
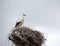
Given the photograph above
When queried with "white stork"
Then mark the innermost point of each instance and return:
(18, 24)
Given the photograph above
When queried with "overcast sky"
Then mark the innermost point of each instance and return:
(43, 15)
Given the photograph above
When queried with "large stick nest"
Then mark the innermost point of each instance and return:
(25, 36)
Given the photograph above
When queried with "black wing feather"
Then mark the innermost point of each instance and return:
(17, 23)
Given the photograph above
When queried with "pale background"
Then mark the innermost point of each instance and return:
(43, 15)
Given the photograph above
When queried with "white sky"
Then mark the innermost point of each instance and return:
(43, 15)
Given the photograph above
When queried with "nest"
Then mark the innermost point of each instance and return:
(25, 36)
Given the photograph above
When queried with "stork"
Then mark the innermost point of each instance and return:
(18, 24)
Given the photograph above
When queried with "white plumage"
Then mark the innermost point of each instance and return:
(20, 23)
